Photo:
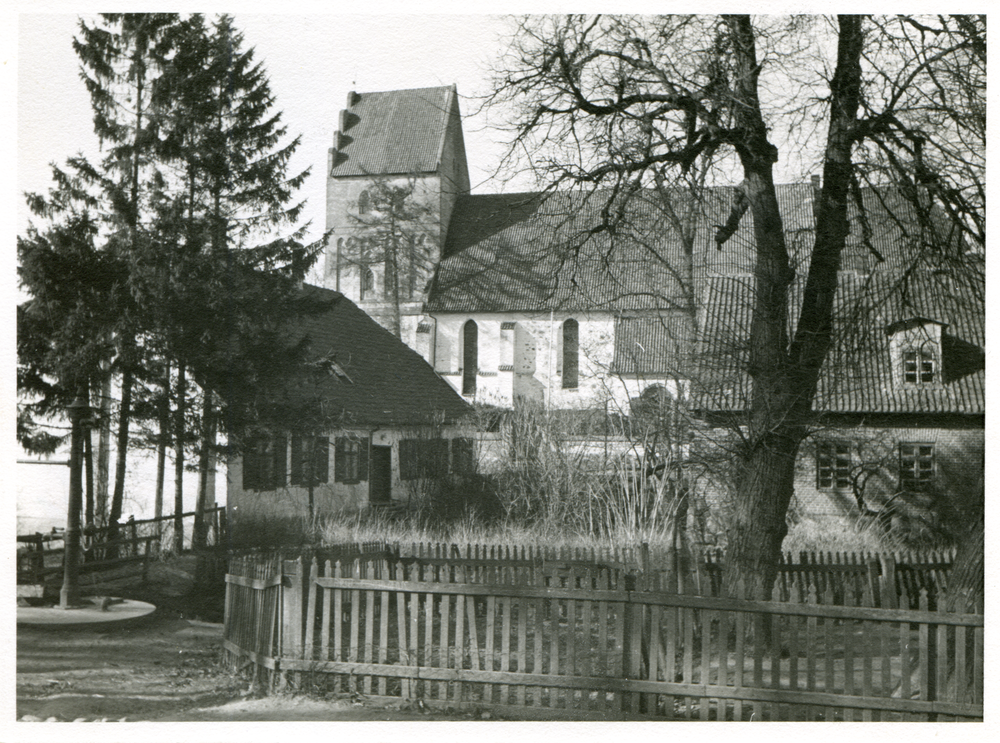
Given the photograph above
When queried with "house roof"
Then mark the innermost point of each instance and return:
(363, 375)
(394, 132)
(858, 375)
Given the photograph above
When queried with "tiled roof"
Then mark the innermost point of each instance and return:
(368, 376)
(526, 252)
(858, 376)
(395, 132)
(531, 252)
(652, 346)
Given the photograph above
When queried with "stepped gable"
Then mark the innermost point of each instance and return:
(364, 375)
(395, 132)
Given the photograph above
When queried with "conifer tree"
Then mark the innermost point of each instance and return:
(120, 57)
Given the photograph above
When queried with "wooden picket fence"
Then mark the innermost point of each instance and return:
(586, 640)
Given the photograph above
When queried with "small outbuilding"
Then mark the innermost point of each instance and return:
(381, 427)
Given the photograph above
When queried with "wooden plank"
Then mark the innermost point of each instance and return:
(488, 646)
(923, 644)
(369, 648)
(706, 658)
(401, 625)
(635, 686)
(538, 643)
(311, 609)
(520, 606)
(665, 599)
(460, 696)
(687, 620)
(505, 637)
(414, 638)
(739, 655)
(447, 660)
(338, 616)
(383, 635)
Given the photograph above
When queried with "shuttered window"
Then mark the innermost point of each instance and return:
(422, 458)
(350, 460)
(264, 463)
(310, 460)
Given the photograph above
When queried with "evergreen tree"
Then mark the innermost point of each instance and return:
(120, 56)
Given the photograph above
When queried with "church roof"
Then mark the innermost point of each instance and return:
(562, 251)
(394, 132)
(363, 375)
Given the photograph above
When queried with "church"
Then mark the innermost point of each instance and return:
(546, 298)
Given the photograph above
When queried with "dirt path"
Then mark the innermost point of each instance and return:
(165, 669)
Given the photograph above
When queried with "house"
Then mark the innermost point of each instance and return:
(382, 426)
(545, 298)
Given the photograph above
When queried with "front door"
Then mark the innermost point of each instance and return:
(380, 475)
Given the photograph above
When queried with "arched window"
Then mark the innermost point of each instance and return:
(470, 357)
(570, 354)
(367, 282)
(364, 203)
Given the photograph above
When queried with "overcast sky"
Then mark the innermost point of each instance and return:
(313, 62)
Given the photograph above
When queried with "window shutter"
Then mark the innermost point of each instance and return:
(338, 460)
(363, 459)
(280, 462)
(321, 460)
(250, 458)
(297, 473)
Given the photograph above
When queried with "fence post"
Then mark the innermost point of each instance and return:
(889, 597)
(291, 609)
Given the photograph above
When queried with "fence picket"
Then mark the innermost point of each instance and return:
(652, 635)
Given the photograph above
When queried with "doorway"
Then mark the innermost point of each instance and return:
(380, 477)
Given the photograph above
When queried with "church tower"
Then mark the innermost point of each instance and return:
(395, 169)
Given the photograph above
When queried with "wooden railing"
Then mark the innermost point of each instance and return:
(40, 556)
(568, 638)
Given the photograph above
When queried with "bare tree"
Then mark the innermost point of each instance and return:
(625, 104)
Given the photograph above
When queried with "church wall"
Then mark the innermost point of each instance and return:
(526, 360)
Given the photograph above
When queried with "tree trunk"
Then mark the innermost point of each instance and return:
(179, 460)
(784, 376)
(161, 451)
(199, 537)
(103, 454)
(121, 450)
(88, 462)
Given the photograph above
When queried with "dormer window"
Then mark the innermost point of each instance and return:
(918, 367)
(915, 349)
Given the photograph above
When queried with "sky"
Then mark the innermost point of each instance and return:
(313, 61)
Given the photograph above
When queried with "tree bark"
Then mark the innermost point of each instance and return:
(121, 450)
(179, 460)
(161, 451)
(784, 376)
(199, 537)
(103, 454)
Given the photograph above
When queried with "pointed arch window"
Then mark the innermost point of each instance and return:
(570, 354)
(470, 357)
(367, 282)
(364, 203)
